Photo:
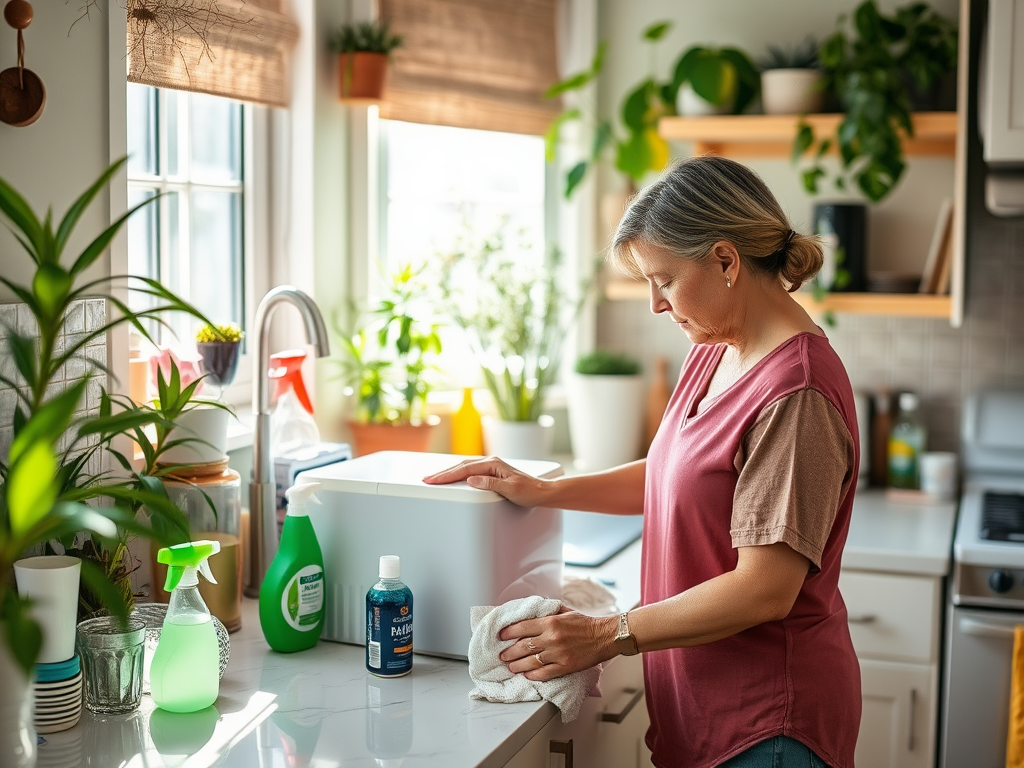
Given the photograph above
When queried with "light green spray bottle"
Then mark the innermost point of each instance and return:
(292, 594)
(185, 673)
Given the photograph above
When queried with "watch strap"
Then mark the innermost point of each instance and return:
(624, 640)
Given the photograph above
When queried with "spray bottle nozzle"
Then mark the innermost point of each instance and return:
(181, 558)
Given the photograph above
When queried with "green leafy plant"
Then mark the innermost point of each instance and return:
(870, 64)
(802, 55)
(389, 362)
(516, 316)
(601, 362)
(365, 37)
(210, 333)
(724, 77)
(636, 146)
(48, 490)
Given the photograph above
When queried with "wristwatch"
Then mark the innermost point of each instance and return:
(624, 641)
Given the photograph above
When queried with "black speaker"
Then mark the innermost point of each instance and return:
(843, 228)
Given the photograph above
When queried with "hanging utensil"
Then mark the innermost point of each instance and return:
(22, 94)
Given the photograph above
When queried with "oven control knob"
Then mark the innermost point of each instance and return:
(1000, 581)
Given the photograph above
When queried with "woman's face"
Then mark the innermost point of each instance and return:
(695, 295)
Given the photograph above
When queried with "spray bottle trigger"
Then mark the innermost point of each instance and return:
(204, 568)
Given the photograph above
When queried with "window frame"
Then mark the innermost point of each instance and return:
(254, 189)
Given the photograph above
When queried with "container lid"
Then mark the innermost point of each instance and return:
(401, 473)
(390, 567)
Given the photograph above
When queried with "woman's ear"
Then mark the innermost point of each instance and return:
(725, 255)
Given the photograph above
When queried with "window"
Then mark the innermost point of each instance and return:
(194, 151)
(436, 181)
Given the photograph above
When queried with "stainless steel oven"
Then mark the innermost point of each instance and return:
(986, 594)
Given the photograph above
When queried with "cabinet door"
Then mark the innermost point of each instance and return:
(897, 727)
(1003, 105)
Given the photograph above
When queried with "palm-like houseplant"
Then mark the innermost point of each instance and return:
(49, 492)
(516, 316)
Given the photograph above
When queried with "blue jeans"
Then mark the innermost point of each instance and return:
(777, 752)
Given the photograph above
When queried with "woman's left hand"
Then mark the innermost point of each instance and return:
(557, 645)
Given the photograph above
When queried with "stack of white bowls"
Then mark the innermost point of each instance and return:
(57, 693)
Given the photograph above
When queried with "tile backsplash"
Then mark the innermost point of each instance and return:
(83, 316)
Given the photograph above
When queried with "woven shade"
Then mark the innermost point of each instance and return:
(223, 47)
(472, 63)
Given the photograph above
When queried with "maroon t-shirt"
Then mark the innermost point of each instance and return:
(797, 677)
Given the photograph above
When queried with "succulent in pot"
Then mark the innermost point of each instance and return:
(364, 51)
(792, 81)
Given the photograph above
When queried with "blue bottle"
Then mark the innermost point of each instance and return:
(389, 622)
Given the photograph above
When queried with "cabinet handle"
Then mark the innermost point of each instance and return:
(562, 748)
(864, 618)
(984, 629)
(913, 706)
(622, 714)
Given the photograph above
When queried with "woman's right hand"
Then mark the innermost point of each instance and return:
(492, 474)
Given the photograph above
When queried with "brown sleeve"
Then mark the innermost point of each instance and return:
(795, 465)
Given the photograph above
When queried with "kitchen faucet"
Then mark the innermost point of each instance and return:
(262, 497)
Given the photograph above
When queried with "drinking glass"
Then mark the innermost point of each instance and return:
(112, 653)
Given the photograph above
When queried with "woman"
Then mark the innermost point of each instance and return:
(746, 492)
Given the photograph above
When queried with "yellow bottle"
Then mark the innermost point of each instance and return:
(467, 428)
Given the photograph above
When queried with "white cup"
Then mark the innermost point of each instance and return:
(51, 582)
(938, 474)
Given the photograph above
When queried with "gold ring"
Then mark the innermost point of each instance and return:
(538, 658)
(531, 646)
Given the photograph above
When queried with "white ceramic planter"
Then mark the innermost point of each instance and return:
(791, 91)
(209, 426)
(17, 736)
(51, 581)
(519, 439)
(606, 420)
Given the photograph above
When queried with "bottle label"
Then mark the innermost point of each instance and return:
(388, 637)
(302, 601)
(902, 464)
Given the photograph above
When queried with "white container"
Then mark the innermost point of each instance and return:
(51, 582)
(519, 439)
(207, 429)
(606, 419)
(460, 546)
(791, 91)
(938, 474)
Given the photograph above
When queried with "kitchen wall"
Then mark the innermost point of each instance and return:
(926, 355)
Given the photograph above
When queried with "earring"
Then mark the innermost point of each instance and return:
(728, 282)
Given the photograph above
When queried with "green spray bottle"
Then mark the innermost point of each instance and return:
(185, 673)
(292, 594)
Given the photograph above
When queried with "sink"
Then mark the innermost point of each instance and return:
(590, 539)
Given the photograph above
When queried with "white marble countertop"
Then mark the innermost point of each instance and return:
(900, 536)
(321, 709)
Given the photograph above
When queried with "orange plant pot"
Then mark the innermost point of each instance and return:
(371, 438)
(362, 76)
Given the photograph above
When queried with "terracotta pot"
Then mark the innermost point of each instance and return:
(362, 76)
(371, 438)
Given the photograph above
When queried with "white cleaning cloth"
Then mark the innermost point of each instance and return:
(587, 595)
(491, 676)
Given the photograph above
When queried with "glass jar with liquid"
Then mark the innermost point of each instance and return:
(212, 502)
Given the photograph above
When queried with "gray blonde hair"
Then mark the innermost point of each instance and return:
(704, 200)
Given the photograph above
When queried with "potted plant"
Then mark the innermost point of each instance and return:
(636, 147)
(605, 396)
(388, 366)
(47, 481)
(219, 346)
(516, 316)
(709, 80)
(791, 79)
(870, 62)
(363, 50)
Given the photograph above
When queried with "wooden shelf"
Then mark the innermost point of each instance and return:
(892, 304)
(772, 135)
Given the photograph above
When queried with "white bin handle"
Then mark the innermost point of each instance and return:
(984, 629)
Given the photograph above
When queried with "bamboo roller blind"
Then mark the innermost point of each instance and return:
(472, 63)
(234, 48)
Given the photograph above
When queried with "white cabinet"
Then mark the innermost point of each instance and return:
(1002, 94)
(609, 733)
(894, 623)
(897, 727)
